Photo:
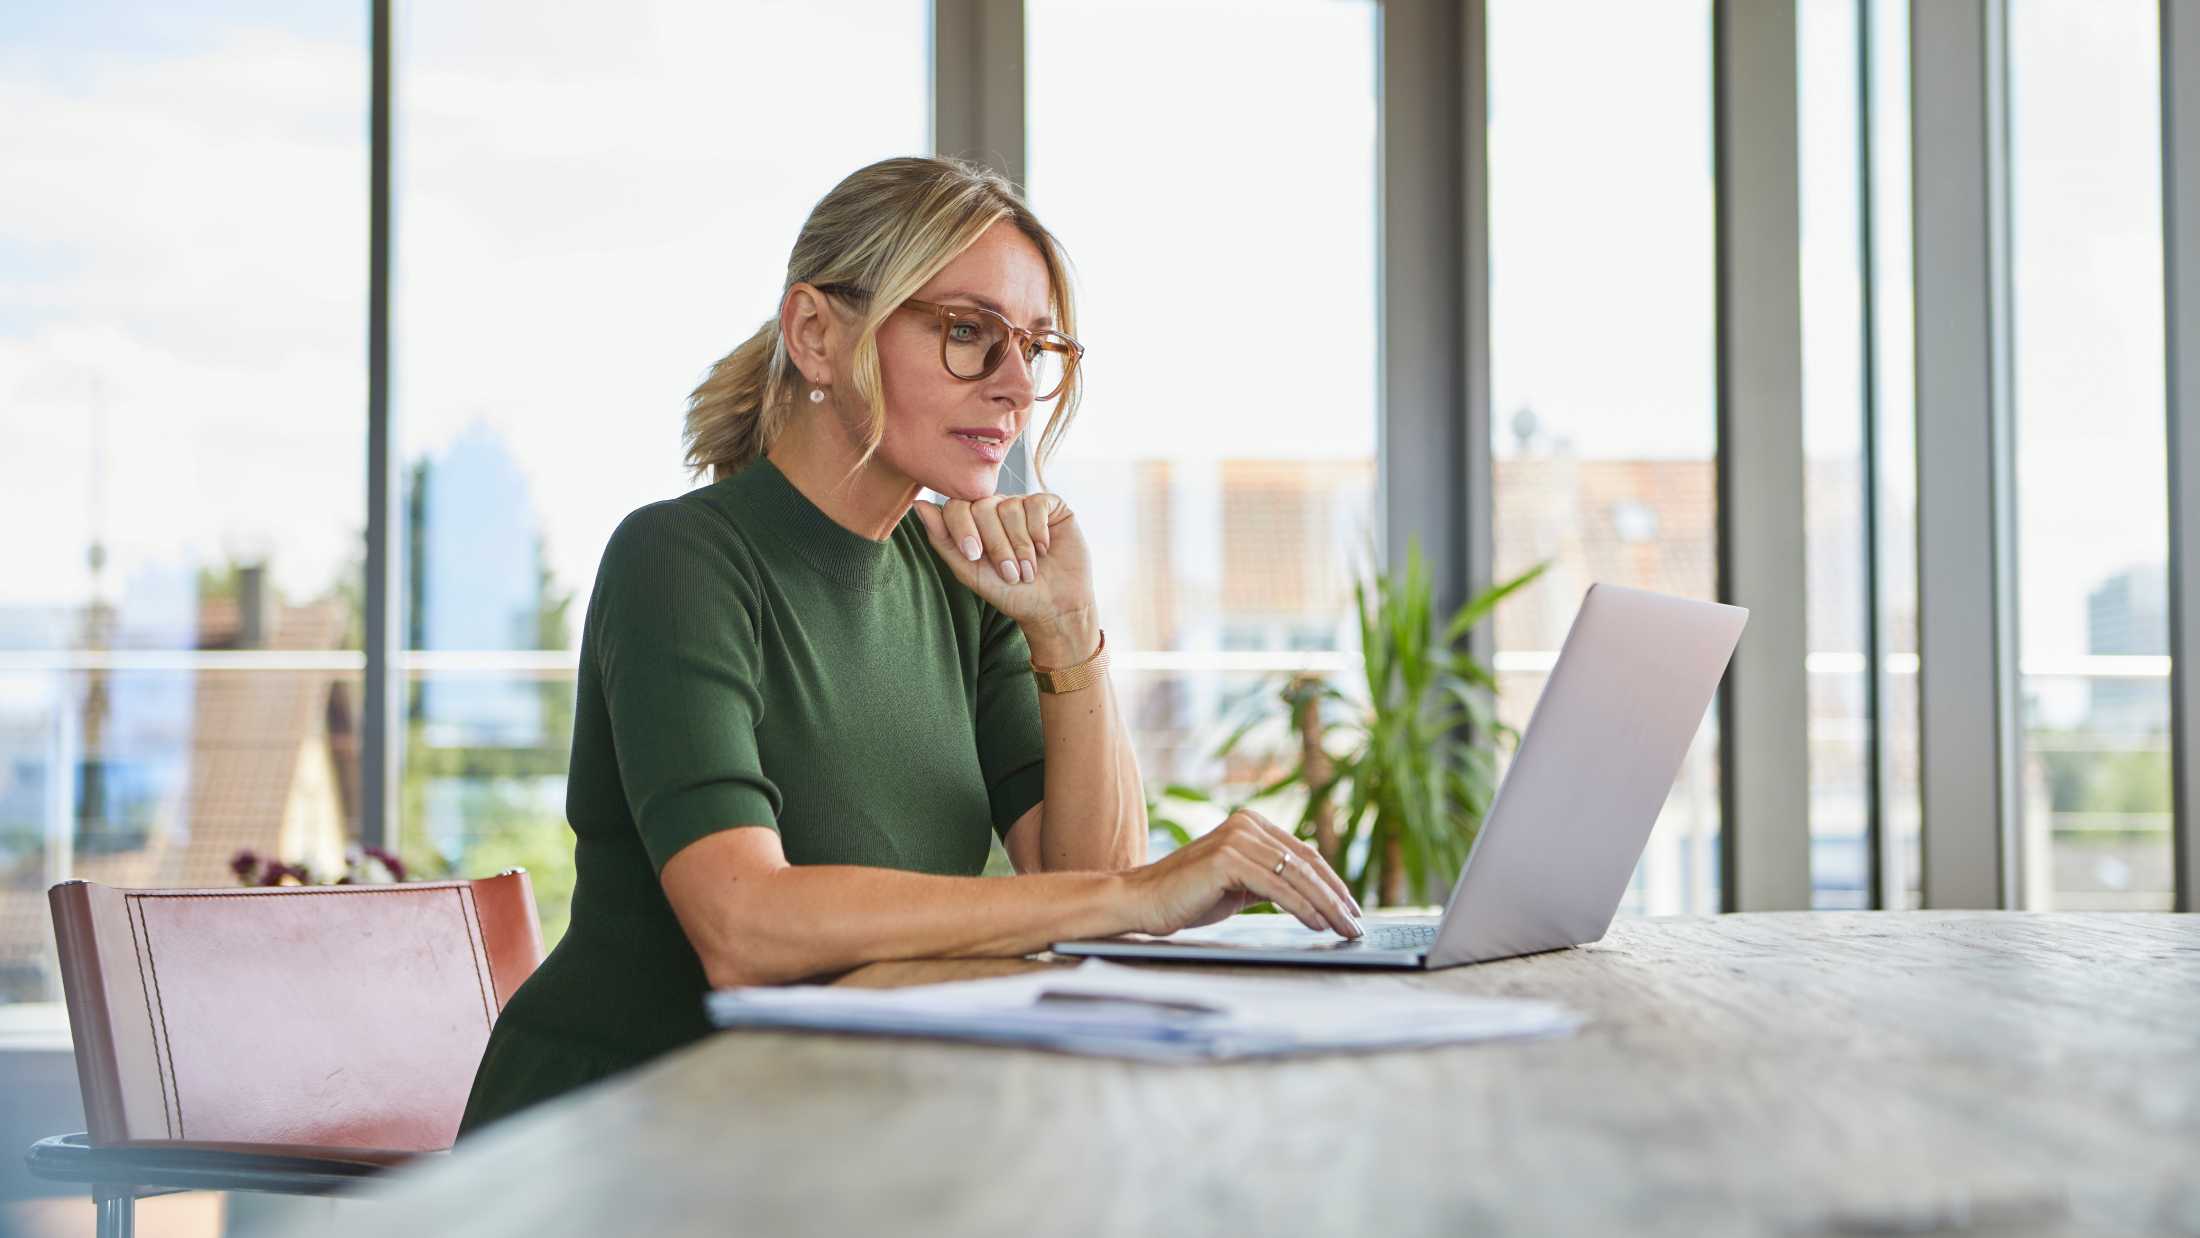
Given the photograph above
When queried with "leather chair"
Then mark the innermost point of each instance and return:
(293, 1039)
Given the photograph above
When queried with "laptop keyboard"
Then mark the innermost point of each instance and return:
(1398, 936)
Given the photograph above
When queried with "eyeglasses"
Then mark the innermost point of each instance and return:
(974, 342)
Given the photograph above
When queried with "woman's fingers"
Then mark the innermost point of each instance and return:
(1011, 513)
(936, 531)
(1251, 874)
(1332, 912)
(1256, 835)
(999, 554)
(1312, 860)
(1037, 510)
(1003, 535)
(962, 529)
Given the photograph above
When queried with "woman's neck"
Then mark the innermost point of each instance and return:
(815, 454)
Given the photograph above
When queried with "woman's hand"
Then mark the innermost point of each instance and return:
(1233, 866)
(1021, 552)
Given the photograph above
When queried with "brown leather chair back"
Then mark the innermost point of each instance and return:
(301, 1018)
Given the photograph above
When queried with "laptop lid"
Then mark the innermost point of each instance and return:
(1602, 748)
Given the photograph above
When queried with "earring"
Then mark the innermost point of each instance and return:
(817, 395)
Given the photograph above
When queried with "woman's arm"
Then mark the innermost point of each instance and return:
(756, 919)
(1026, 556)
(753, 918)
(1093, 815)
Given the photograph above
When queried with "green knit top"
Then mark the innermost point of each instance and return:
(746, 660)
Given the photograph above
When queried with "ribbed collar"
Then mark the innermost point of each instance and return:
(841, 554)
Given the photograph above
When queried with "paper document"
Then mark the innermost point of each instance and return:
(1111, 1009)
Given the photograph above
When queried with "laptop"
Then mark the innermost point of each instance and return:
(1602, 747)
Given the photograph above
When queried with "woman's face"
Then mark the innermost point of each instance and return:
(932, 417)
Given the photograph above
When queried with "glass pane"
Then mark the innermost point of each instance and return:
(1838, 676)
(1228, 497)
(589, 221)
(182, 319)
(2092, 520)
(1894, 390)
(161, 777)
(182, 312)
(1602, 349)
(584, 234)
(482, 794)
(1852, 350)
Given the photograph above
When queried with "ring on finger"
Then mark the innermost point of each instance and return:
(1282, 862)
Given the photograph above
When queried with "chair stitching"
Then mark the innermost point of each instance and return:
(131, 911)
(488, 960)
(393, 887)
(478, 944)
(153, 961)
(161, 1028)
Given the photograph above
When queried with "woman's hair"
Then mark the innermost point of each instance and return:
(889, 227)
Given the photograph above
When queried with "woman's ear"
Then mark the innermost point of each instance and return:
(811, 332)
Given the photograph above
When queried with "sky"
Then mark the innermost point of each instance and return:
(595, 202)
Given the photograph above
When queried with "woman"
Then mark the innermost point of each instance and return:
(805, 696)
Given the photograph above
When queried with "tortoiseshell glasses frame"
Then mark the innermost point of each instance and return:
(1031, 342)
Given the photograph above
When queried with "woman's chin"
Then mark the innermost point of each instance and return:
(970, 485)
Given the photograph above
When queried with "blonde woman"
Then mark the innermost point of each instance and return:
(806, 697)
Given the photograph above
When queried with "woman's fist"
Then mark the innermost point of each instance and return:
(1021, 552)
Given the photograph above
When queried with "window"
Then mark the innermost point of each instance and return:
(1834, 485)
(592, 211)
(1894, 398)
(1602, 351)
(182, 317)
(2092, 504)
(1857, 377)
(1223, 464)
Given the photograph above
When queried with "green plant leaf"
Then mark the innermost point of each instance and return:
(1278, 785)
(1177, 833)
(1240, 733)
(1479, 607)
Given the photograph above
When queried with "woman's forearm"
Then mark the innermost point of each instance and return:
(815, 919)
(1095, 801)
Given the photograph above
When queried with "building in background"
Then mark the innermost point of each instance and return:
(479, 582)
(153, 778)
(2128, 614)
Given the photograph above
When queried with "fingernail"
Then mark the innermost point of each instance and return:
(1008, 570)
(1029, 574)
(971, 548)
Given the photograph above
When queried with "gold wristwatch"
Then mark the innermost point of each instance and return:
(1071, 678)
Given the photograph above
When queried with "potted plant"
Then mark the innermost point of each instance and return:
(1396, 783)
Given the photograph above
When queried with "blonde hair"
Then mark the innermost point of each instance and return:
(889, 227)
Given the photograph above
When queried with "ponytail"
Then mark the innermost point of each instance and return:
(737, 411)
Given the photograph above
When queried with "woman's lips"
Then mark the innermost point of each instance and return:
(989, 449)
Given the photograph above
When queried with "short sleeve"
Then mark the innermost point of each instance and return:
(678, 649)
(1011, 742)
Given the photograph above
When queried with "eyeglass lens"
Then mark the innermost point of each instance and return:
(975, 344)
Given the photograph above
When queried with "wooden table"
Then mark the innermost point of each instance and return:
(1780, 1073)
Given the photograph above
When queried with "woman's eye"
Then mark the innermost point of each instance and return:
(962, 326)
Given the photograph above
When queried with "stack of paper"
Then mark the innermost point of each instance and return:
(1142, 1012)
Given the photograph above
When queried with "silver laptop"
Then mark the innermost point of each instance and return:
(1633, 681)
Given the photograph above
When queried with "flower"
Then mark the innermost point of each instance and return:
(388, 861)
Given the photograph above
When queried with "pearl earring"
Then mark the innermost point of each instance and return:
(817, 395)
